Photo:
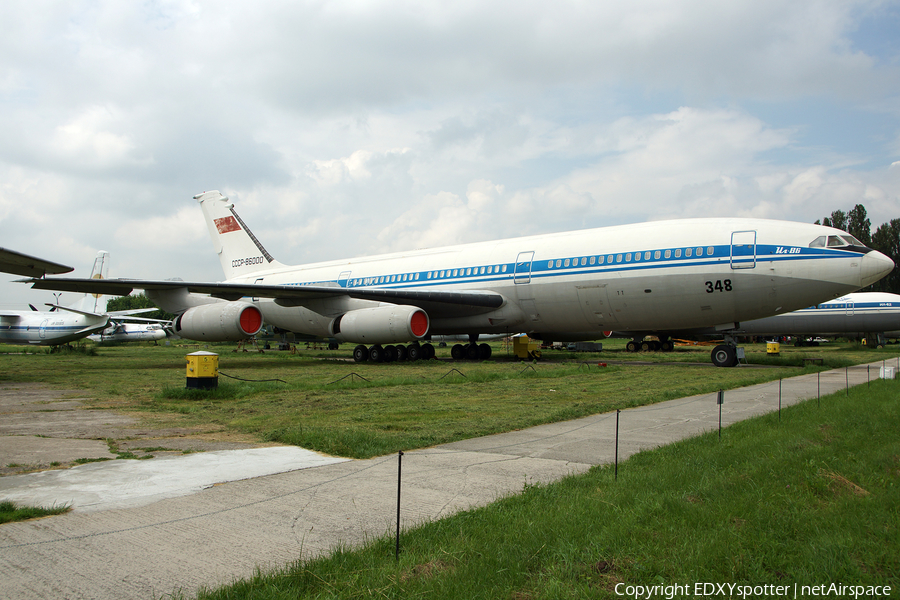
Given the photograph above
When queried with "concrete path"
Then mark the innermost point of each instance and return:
(210, 535)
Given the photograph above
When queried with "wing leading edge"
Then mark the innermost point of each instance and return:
(284, 295)
(24, 264)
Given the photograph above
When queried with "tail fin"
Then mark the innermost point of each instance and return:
(95, 303)
(240, 253)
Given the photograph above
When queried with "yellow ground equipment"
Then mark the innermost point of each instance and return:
(524, 347)
(202, 370)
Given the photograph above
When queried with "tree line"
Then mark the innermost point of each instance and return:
(886, 240)
(138, 301)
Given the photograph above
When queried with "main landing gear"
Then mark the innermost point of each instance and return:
(391, 353)
(663, 344)
(724, 355)
(470, 351)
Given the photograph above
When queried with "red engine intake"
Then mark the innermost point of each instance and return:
(220, 322)
(382, 325)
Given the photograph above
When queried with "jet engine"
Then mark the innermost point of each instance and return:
(219, 322)
(382, 325)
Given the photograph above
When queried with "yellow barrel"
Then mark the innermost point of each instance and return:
(773, 348)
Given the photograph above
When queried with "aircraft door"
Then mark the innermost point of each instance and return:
(42, 332)
(743, 249)
(522, 272)
(344, 279)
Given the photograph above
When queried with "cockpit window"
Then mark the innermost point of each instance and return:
(844, 240)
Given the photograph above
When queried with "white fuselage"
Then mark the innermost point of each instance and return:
(47, 328)
(131, 332)
(852, 315)
(657, 276)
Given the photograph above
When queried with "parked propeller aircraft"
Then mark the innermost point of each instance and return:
(130, 332)
(61, 324)
(64, 324)
(655, 278)
(854, 315)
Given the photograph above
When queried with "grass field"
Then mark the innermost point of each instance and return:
(318, 400)
(810, 499)
(807, 500)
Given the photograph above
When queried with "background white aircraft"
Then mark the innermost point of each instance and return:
(64, 324)
(859, 315)
(655, 277)
(131, 332)
(61, 324)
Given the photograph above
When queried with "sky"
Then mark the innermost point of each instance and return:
(342, 128)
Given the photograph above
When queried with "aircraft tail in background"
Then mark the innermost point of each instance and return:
(240, 253)
(96, 303)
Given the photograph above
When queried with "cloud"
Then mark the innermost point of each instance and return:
(345, 128)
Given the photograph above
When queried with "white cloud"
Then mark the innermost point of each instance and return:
(343, 128)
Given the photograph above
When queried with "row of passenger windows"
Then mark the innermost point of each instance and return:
(468, 272)
(637, 257)
(558, 263)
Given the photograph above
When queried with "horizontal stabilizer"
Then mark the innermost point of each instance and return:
(23, 264)
(74, 310)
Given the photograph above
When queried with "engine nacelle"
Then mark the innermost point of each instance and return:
(219, 322)
(381, 325)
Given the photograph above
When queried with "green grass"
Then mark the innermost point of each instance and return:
(809, 499)
(342, 408)
(10, 511)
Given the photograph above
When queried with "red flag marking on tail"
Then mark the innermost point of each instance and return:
(226, 224)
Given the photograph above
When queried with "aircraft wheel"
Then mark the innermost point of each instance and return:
(646, 346)
(666, 346)
(427, 351)
(413, 352)
(484, 352)
(390, 353)
(360, 354)
(402, 353)
(631, 346)
(724, 355)
(376, 353)
(457, 352)
(471, 351)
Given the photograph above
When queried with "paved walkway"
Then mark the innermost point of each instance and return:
(214, 535)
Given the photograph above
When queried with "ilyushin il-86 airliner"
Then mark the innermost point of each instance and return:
(651, 278)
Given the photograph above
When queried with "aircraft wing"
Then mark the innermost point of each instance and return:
(433, 301)
(75, 310)
(23, 264)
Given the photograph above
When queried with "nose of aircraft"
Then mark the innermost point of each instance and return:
(875, 265)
